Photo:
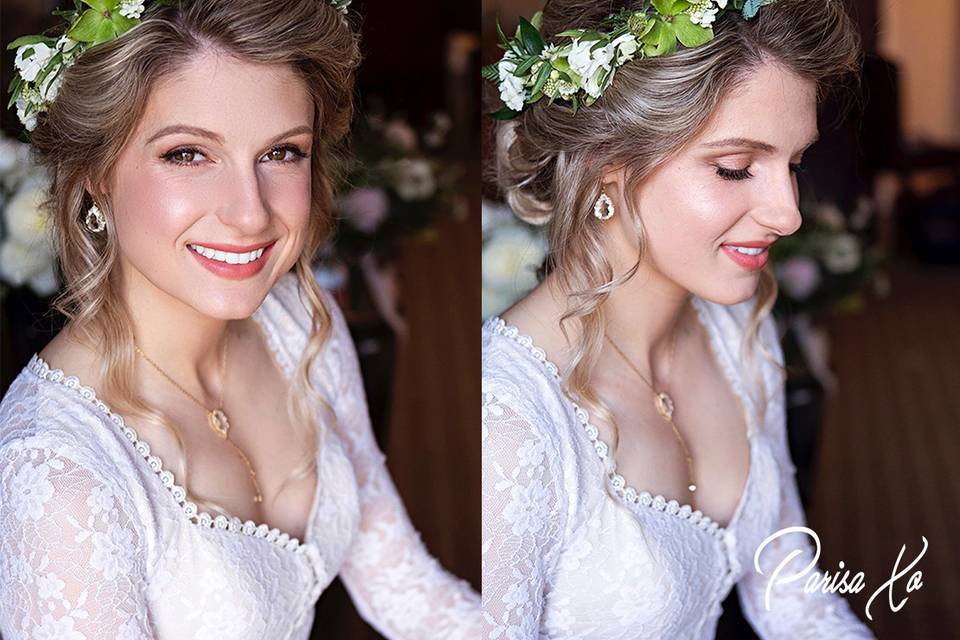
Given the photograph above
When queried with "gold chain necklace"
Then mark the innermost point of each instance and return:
(216, 418)
(664, 405)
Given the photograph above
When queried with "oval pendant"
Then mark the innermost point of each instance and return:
(219, 422)
(692, 488)
(664, 405)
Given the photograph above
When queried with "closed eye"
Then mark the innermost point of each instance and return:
(744, 174)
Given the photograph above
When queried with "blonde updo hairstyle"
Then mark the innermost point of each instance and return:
(104, 94)
(549, 160)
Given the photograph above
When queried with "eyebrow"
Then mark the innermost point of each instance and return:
(206, 133)
(752, 144)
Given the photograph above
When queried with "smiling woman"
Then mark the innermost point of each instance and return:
(192, 456)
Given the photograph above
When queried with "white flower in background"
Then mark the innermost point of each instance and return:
(131, 9)
(863, 214)
(29, 68)
(510, 260)
(799, 276)
(365, 208)
(412, 179)
(511, 87)
(441, 127)
(27, 253)
(842, 254)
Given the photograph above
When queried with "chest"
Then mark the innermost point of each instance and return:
(709, 418)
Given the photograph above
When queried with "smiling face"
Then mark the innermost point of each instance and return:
(734, 184)
(221, 156)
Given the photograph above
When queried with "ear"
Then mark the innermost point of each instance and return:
(613, 180)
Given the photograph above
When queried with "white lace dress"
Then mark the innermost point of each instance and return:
(565, 558)
(97, 539)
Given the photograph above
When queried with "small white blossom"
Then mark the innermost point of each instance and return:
(32, 66)
(51, 84)
(131, 9)
(590, 65)
(511, 87)
(704, 12)
(29, 121)
(68, 46)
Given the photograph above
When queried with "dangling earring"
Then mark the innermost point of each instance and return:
(603, 208)
(95, 221)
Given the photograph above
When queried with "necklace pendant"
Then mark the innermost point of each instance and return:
(664, 405)
(219, 422)
(692, 488)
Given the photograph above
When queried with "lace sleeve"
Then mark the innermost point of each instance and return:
(792, 612)
(72, 560)
(523, 517)
(396, 585)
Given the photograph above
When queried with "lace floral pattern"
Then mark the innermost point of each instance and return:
(98, 540)
(563, 558)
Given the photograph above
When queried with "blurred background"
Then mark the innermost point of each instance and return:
(409, 213)
(869, 310)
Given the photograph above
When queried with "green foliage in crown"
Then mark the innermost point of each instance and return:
(582, 66)
(41, 60)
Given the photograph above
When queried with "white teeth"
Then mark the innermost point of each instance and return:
(226, 256)
(750, 251)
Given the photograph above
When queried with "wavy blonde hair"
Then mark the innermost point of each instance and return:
(549, 161)
(103, 95)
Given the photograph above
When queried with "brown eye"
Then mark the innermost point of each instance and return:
(183, 156)
(277, 154)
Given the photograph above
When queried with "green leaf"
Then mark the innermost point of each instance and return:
(571, 33)
(537, 20)
(750, 7)
(541, 78)
(678, 6)
(122, 24)
(532, 40)
(54, 62)
(689, 34)
(491, 72)
(652, 37)
(89, 27)
(666, 42)
(19, 42)
(524, 66)
(504, 113)
(102, 5)
(663, 7)
(503, 38)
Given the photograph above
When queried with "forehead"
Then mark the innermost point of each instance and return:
(772, 104)
(233, 97)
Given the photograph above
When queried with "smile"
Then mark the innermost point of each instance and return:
(226, 256)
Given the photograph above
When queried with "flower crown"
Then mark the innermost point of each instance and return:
(41, 60)
(580, 70)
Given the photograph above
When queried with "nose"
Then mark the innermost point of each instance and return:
(780, 211)
(247, 208)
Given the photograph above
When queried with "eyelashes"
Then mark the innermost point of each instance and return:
(744, 174)
(176, 156)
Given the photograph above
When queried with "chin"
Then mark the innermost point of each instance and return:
(732, 293)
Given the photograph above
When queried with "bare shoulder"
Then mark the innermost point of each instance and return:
(70, 354)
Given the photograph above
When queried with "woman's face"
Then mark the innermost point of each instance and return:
(221, 156)
(734, 184)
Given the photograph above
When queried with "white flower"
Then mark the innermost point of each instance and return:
(68, 46)
(412, 179)
(29, 121)
(591, 66)
(843, 253)
(131, 9)
(511, 87)
(703, 12)
(30, 489)
(51, 84)
(510, 259)
(33, 65)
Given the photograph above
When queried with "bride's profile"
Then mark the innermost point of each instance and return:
(634, 434)
(191, 456)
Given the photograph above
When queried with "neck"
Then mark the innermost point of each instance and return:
(184, 343)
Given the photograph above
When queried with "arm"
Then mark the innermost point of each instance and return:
(793, 613)
(396, 585)
(71, 549)
(523, 516)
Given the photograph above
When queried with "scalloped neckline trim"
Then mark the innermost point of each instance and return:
(628, 494)
(42, 369)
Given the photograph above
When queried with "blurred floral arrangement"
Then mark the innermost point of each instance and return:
(26, 250)
(399, 181)
(513, 251)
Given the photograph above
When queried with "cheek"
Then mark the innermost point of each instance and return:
(154, 207)
(288, 193)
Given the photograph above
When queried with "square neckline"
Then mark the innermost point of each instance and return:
(628, 494)
(42, 369)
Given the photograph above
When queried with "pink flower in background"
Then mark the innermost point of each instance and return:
(365, 208)
(399, 134)
(800, 276)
